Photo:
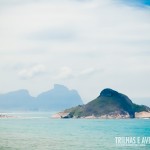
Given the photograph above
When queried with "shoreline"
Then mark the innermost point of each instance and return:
(138, 115)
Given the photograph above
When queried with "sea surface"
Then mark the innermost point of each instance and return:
(37, 131)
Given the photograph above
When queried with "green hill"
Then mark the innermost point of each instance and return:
(109, 104)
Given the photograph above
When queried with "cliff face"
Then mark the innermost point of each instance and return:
(109, 104)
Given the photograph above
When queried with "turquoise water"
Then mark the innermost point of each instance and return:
(39, 132)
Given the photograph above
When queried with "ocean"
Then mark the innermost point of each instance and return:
(37, 131)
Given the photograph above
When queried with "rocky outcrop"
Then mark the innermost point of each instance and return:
(115, 115)
(61, 115)
(142, 114)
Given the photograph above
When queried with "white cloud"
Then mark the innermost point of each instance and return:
(89, 71)
(64, 73)
(31, 72)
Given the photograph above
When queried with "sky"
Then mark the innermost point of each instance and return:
(87, 45)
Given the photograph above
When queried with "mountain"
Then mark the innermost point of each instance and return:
(59, 98)
(56, 99)
(17, 100)
(109, 104)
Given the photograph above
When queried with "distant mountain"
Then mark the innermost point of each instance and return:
(17, 100)
(59, 98)
(109, 104)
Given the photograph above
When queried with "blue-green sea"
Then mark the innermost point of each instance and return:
(37, 131)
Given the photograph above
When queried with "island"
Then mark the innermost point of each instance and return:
(110, 104)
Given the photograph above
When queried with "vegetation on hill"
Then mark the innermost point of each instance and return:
(109, 102)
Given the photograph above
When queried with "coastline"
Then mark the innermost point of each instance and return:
(138, 115)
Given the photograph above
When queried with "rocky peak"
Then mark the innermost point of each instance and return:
(108, 93)
(60, 87)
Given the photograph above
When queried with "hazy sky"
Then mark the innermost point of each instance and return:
(86, 45)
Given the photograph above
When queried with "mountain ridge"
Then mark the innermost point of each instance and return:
(58, 98)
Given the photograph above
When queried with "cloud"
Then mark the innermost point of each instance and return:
(67, 73)
(64, 73)
(32, 72)
(52, 34)
(89, 71)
